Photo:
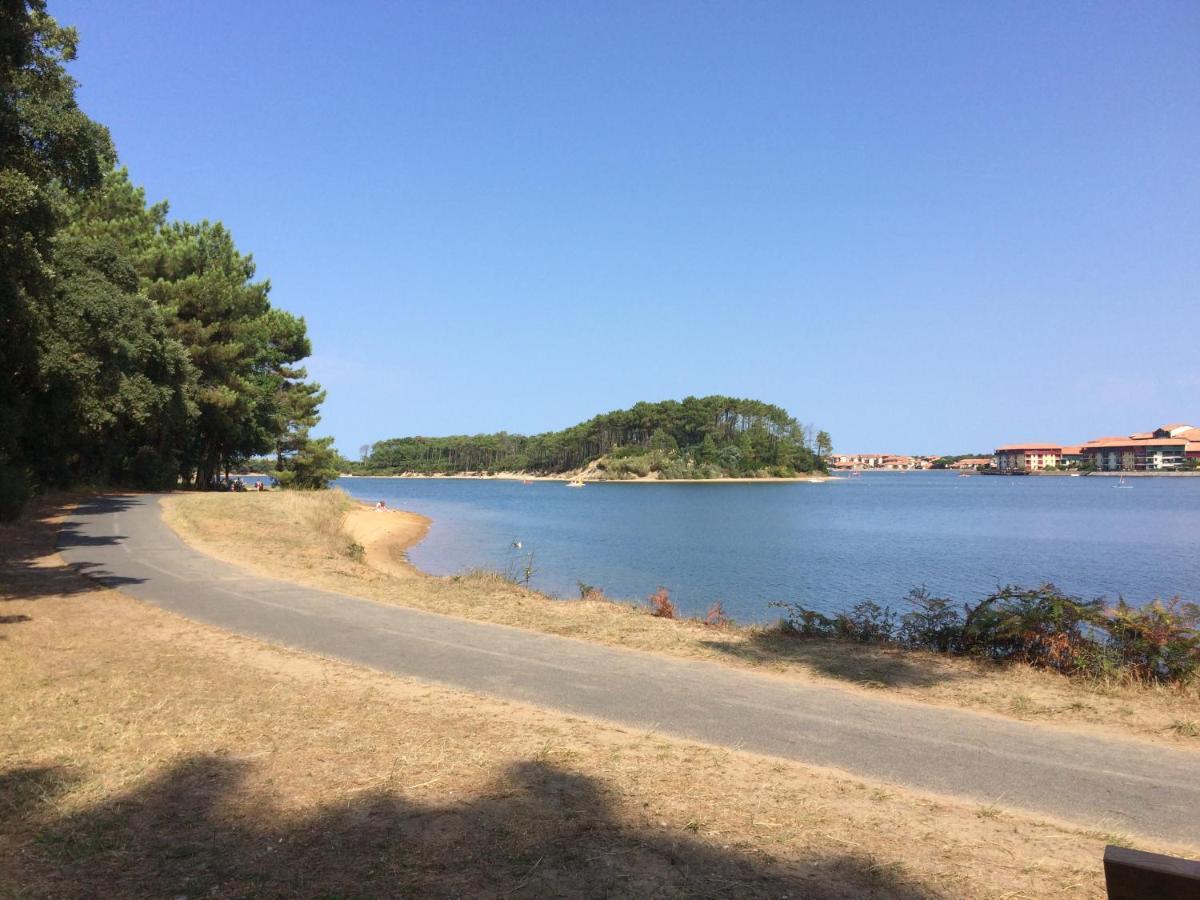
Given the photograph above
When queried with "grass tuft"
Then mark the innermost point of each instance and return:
(1186, 727)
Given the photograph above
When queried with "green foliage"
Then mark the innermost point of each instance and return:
(933, 623)
(111, 384)
(1041, 627)
(698, 437)
(824, 443)
(136, 350)
(867, 622)
(803, 622)
(944, 462)
(49, 152)
(638, 466)
(1156, 641)
(663, 441)
(311, 466)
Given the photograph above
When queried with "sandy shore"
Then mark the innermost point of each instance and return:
(386, 535)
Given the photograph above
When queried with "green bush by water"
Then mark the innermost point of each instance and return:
(1040, 626)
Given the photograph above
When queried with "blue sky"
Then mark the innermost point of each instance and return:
(924, 227)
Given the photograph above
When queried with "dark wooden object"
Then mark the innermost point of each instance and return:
(1134, 875)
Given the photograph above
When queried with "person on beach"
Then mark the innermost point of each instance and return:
(380, 506)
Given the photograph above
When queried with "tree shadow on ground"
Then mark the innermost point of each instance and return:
(28, 570)
(868, 665)
(538, 831)
(26, 789)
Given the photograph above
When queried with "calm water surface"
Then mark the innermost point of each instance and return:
(826, 545)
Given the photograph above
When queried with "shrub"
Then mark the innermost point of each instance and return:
(590, 591)
(1040, 626)
(629, 467)
(355, 551)
(521, 570)
(660, 604)
(1158, 642)
(867, 622)
(676, 468)
(933, 624)
(800, 621)
(716, 618)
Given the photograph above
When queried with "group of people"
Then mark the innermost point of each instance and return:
(236, 484)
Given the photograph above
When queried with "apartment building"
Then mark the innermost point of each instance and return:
(972, 462)
(1163, 449)
(1166, 447)
(1028, 457)
(887, 461)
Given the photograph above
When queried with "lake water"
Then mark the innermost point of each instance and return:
(825, 545)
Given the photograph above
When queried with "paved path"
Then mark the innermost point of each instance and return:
(1115, 784)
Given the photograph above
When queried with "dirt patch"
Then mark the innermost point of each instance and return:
(299, 537)
(145, 755)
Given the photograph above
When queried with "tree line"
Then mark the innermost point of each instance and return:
(135, 349)
(698, 437)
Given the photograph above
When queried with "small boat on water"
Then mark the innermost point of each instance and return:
(576, 483)
(1121, 483)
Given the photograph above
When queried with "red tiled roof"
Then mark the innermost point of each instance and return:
(1033, 445)
(1134, 444)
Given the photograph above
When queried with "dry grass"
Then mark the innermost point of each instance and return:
(273, 534)
(144, 755)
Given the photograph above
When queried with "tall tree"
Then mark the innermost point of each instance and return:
(111, 392)
(246, 391)
(824, 443)
(49, 151)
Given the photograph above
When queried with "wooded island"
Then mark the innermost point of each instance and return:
(696, 438)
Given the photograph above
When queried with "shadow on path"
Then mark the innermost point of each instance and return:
(27, 572)
(867, 665)
(538, 831)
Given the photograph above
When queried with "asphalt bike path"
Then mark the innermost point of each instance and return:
(1112, 784)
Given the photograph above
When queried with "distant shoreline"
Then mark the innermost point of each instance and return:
(510, 476)
(1066, 473)
(1167, 474)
